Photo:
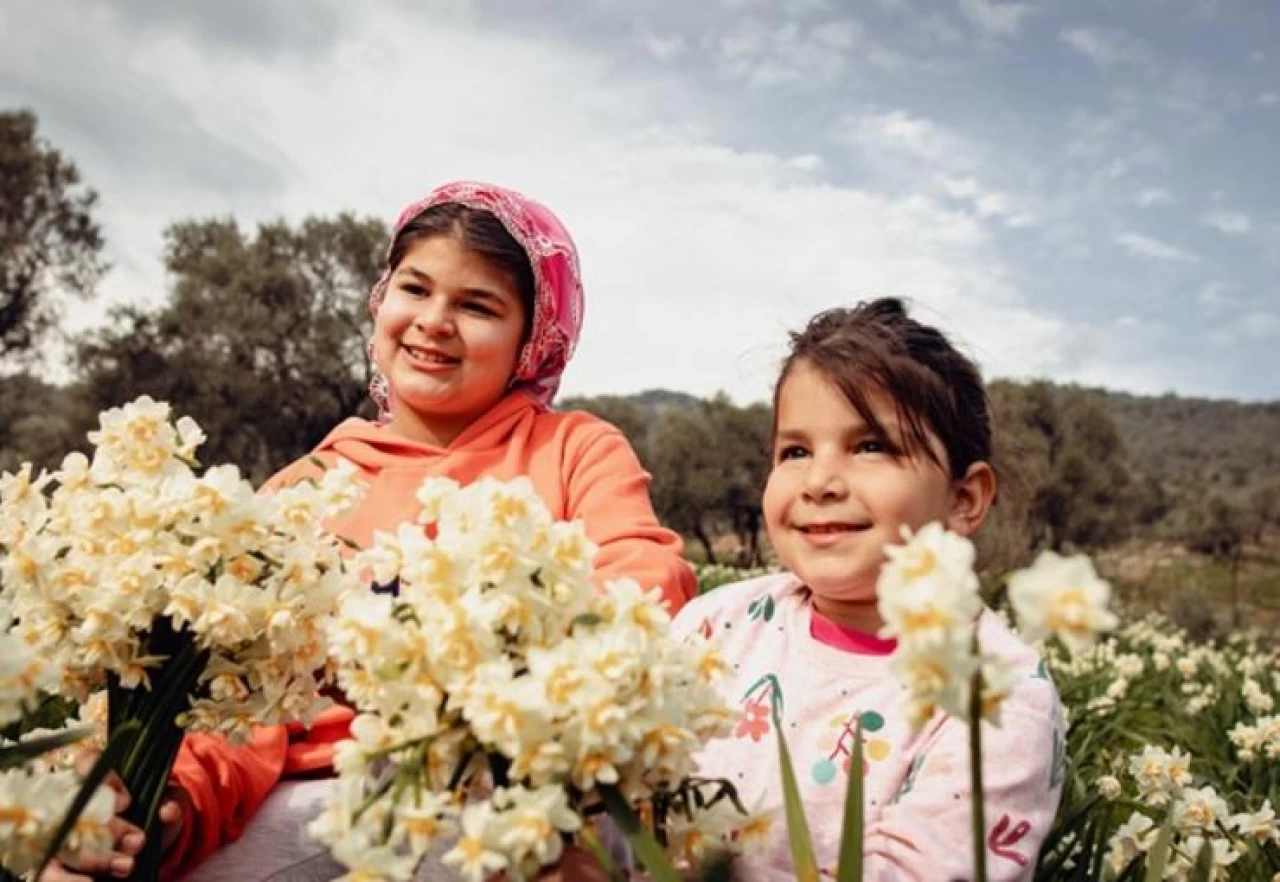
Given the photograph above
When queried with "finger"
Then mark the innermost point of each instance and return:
(85, 760)
(128, 838)
(170, 812)
(112, 862)
(56, 872)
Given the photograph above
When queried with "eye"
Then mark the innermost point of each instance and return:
(414, 290)
(791, 451)
(479, 307)
(874, 446)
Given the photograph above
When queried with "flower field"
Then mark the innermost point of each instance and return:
(1160, 727)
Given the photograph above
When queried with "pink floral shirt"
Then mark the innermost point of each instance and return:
(917, 792)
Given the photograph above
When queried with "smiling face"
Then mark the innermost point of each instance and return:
(447, 337)
(839, 492)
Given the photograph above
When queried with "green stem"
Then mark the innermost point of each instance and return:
(975, 770)
(147, 763)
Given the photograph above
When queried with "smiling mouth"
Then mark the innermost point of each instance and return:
(831, 529)
(430, 356)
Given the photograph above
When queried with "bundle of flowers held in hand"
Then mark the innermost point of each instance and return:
(108, 556)
(195, 601)
(504, 697)
(35, 797)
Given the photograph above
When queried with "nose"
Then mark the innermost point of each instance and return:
(434, 317)
(824, 481)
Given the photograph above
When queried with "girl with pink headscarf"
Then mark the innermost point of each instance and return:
(475, 319)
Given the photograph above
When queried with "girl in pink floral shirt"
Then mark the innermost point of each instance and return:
(880, 423)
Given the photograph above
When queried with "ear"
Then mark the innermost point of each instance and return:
(971, 498)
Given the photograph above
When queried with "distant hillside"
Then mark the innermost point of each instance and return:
(1222, 445)
(654, 401)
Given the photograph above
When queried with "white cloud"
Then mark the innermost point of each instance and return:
(1154, 196)
(1144, 246)
(1104, 47)
(664, 48)
(897, 131)
(1259, 325)
(1254, 326)
(1000, 19)
(1226, 221)
(764, 53)
(698, 256)
(1269, 99)
(1215, 294)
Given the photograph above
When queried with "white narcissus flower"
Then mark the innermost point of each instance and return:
(1260, 826)
(1200, 810)
(476, 855)
(132, 536)
(1184, 858)
(1160, 774)
(1255, 698)
(1061, 596)
(1109, 787)
(23, 674)
(927, 590)
(530, 823)
(498, 649)
(33, 803)
(1134, 837)
(927, 595)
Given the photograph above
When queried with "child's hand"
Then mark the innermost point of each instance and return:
(129, 840)
(577, 864)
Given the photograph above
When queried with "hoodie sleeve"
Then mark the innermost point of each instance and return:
(224, 786)
(608, 490)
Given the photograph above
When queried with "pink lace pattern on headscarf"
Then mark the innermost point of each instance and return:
(557, 302)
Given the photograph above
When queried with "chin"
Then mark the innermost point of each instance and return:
(838, 590)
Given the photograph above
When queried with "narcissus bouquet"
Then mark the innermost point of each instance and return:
(199, 604)
(43, 809)
(505, 700)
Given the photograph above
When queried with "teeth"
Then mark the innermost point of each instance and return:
(428, 356)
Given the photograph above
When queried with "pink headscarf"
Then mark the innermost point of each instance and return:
(557, 301)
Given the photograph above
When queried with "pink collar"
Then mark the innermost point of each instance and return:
(846, 639)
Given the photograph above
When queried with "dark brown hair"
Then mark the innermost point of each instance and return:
(479, 231)
(877, 347)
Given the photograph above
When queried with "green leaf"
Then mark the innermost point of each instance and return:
(1158, 858)
(587, 620)
(13, 756)
(1203, 870)
(849, 868)
(602, 855)
(806, 866)
(718, 869)
(651, 854)
(121, 741)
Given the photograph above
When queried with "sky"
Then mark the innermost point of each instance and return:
(1075, 190)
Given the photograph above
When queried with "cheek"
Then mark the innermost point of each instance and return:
(774, 501)
(384, 337)
(499, 346)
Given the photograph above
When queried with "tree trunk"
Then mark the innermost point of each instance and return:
(701, 533)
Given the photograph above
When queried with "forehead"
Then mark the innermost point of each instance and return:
(447, 261)
(809, 396)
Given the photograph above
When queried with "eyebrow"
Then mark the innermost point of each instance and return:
(789, 435)
(482, 293)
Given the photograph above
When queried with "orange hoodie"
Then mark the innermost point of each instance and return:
(581, 466)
